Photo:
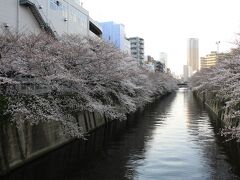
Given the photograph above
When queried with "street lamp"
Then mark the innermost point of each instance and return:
(218, 42)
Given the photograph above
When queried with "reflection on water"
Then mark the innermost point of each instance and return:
(171, 139)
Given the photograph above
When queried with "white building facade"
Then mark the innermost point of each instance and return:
(137, 49)
(185, 73)
(54, 16)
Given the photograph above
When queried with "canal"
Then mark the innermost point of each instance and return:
(173, 138)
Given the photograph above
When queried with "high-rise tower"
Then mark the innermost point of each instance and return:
(192, 55)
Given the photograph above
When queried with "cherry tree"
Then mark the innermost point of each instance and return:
(221, 83)
(43, 80)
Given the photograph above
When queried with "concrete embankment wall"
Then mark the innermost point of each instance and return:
(214, 106)
(217, 113)
(18, 146)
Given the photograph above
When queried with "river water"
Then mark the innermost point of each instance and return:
(171, 139)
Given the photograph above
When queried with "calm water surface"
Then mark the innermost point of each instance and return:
(172, 139)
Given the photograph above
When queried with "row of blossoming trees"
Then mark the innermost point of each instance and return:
(221, 84)
(43, 80)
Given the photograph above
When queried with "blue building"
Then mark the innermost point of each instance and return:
(115, 33)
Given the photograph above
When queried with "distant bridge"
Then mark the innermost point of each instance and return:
(183, 84)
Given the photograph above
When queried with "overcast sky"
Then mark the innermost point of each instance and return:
(165, 25)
